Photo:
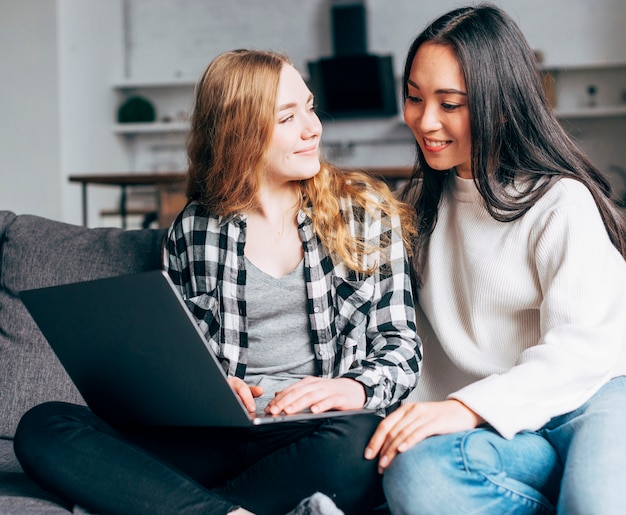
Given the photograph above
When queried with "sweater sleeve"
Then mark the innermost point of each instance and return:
(582, 278)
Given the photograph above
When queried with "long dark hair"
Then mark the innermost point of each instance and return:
(514, 132)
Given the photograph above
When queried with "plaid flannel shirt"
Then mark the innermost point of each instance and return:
(363, 325)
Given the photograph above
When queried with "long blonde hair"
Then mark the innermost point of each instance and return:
(231, 129)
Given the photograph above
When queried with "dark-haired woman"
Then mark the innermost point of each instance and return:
(521, 287)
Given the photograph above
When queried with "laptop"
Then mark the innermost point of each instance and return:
(137, 356)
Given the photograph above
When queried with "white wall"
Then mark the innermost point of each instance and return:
(60, 58)
(168, 40)
(91, 50)
(30, 167)
(568, 31)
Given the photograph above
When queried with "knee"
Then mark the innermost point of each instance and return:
(342, 442)
(34, 422)
(48, 413)
(425, 478)
(343, 439)
(340, 466)
(479, 452)
(37, 427)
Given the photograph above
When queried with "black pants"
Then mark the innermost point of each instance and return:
(267, 470)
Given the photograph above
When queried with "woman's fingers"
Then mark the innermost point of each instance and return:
(381, 434)
(396, 433)
(318, 394)
(413, 422)
(245, 392)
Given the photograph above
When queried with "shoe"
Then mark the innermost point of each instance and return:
(317, 504)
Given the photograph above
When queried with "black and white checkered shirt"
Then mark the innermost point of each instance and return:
(363, 325)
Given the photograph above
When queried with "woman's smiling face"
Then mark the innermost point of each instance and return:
(436, 109)
(294, 149)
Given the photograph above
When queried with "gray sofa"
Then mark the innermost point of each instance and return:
(37, 252)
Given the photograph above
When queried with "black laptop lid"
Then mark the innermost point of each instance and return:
(134, 352)
(137, 356)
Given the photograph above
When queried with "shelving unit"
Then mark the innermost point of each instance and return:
(571, 86)
(153, 148)
(171, 98)
(596, 122)
(159, 145)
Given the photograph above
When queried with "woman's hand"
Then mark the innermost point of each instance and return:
(413, 422)
(246, 393)
(318, 394)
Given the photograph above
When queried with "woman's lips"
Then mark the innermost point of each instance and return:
(307, 151)
(435, 145)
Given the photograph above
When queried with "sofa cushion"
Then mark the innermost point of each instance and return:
(36, 252)
(18, 494)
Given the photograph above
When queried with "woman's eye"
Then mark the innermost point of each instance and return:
(450, 107)
(413, 100)
(286, 119)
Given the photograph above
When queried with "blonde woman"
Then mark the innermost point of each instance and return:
(297, 273)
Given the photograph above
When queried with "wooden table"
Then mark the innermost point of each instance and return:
(170, 188)
(169, 185)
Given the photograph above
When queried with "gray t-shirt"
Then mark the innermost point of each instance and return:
(280, 351)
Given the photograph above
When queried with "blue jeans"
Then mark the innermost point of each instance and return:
(575, 464)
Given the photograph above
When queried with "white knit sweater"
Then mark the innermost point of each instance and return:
(524, 320)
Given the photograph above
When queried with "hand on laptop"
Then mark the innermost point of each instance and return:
(246, 393)
(319, 394)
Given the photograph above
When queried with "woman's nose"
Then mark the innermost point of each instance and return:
(312, 126)
(429, 120)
